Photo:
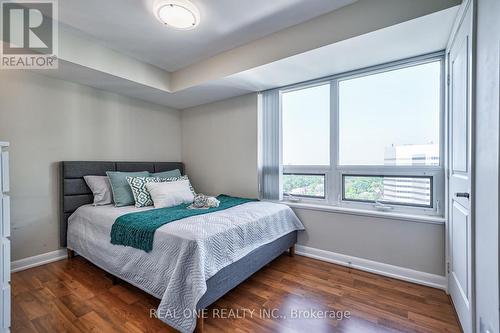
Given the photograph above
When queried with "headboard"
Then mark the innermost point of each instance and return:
(76, 193)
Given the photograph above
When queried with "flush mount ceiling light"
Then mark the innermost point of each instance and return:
(178, 14)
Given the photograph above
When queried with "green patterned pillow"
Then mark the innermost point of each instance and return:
(141, 194)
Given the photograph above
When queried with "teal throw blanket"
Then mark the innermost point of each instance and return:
(138, 229)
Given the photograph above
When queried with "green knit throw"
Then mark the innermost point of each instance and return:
(138, 229)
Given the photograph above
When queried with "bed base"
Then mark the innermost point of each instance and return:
(231, 276)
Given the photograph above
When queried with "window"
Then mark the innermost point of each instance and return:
(304, 185)
(306, 126)
(367, 139)
(391, 118)
(397, 190)
(305, 114)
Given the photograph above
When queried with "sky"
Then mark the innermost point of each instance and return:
(398, 107)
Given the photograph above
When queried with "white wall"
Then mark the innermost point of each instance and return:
(487, 165)
(414, 245)
(219, 147)
(48, 120)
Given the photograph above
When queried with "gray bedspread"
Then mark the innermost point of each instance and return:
(186, 252)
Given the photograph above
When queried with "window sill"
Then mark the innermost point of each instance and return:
(365, 212)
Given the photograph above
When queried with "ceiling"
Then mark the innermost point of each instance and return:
(422, 35)
(240, 46)
(412, 38)
(129, 26)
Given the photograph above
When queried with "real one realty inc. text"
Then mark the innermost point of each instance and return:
(307, 313)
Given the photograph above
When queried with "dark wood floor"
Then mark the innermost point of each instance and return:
(76, 296)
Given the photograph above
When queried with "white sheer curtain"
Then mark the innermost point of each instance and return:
(270, 168)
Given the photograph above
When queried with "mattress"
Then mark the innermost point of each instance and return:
(186, 253)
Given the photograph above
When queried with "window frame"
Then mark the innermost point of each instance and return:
(431, 185)
(334, 173)
(324, 175)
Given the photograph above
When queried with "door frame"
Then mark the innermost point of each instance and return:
(464, 7)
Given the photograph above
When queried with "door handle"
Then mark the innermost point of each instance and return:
(462, 195)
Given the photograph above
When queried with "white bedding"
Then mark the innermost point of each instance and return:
(185, 253)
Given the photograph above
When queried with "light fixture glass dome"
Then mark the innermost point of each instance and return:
(178, 14)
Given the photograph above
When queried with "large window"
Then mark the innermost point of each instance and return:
(391, 118)
(306, 126)
(368, 139)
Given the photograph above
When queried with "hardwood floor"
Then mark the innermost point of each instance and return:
(76, 296)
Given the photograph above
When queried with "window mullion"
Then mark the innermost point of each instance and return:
(333, 177)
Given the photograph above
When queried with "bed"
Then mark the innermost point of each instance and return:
(194, 261)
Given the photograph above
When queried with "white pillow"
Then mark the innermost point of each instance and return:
(169, 194)
(101, 188)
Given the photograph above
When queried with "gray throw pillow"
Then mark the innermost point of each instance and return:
(166, 174)
(122, 193)
(101, 188)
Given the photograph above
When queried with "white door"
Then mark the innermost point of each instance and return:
(461, 224)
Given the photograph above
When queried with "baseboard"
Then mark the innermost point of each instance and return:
(38, 260)
(397, 272)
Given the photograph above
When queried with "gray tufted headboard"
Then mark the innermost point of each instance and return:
(76, 193)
